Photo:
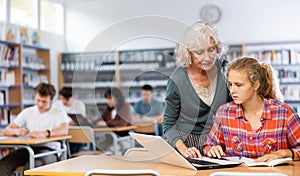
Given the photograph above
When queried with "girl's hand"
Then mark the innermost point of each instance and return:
(216, 152)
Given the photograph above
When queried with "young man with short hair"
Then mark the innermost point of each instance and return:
(39, 121)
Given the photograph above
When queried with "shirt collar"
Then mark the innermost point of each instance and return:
(266, 111)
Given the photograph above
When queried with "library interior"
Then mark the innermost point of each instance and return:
(114, 87)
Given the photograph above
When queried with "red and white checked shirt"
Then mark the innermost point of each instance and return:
(280, 130)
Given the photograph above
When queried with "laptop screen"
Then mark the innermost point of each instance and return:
(163, 152)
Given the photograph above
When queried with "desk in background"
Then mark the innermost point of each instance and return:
(79, 165)
(26, 142)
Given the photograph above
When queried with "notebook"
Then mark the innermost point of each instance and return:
(163, 152)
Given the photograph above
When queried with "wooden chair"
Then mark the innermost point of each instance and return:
(122, 172)
(146, 126)
(83, 135)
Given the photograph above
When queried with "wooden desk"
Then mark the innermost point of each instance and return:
(116, 139)
(79, 165)
(114, 129)
(26, 142)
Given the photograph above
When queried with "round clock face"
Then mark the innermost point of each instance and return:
(210, 14)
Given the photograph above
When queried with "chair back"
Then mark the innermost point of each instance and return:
(82, 134)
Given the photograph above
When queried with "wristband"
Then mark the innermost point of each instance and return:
(49, 133)
(293, 154)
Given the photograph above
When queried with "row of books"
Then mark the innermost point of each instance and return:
(107, 84)
(95, 58)
(288, 75)
(28, 96)
(33, 78)
(273, 57)
(7, 78)
(290, 92)
(20, 34)
(33, 62)
(147, 56)
(90, 66)
(9, 55)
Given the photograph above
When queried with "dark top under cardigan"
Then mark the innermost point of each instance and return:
(184, 108)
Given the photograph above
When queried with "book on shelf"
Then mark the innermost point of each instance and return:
(35, 38)
(251, 162)
(4, 116)
(2, 98)
(7, 78)
(24, 35)
(12, 33)
(2, 30)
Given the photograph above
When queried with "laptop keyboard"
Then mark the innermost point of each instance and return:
(201, 162)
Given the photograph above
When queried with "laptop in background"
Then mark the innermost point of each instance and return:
(165, 153)
(81, 120)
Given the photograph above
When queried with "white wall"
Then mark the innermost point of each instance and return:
(111, 24)
(56, 44)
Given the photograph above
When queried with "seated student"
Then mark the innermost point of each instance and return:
(255, 124)
(116, 114)
(68, 102)
(70, 105)
(39, 121)
(148, 108)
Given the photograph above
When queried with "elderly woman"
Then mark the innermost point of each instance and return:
(195, 90)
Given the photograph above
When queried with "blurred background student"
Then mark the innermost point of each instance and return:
(68, 102)
(116, 114)
(70, 105)
(149, 108)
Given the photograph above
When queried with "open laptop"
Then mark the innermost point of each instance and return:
(165, 153)
(81, 120)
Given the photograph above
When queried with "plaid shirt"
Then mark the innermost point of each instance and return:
(280, 130)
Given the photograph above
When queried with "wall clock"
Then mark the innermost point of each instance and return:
(210, 14)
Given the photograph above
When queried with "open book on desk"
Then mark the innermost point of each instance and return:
(250, 162)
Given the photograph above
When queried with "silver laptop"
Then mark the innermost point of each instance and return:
(165, 153)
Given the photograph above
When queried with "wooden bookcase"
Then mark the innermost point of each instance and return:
(22, 67)
(90, 74)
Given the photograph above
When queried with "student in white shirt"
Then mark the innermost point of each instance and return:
(39, 121)
(70, 105)
(68, 102)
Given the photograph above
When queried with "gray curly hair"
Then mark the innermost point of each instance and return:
(195, 38)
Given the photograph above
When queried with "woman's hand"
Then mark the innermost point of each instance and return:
(192, 152)
(187, 152)
(216, 152)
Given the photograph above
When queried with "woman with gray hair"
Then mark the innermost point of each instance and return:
(195, 90)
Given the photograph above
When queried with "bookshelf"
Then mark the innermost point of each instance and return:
(285, 60)
(90, 74)
(22, 67)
